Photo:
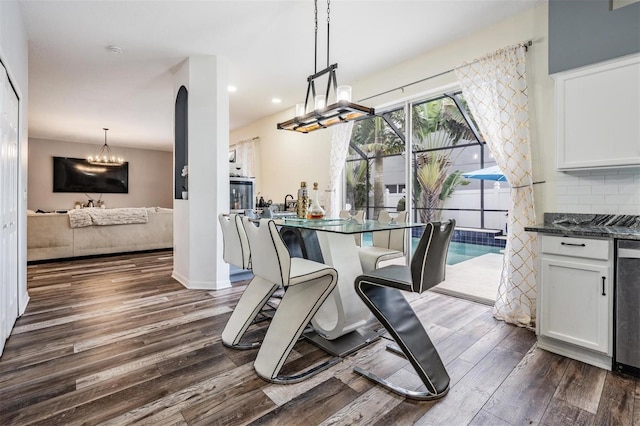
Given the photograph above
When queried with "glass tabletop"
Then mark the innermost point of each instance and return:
(344, 226)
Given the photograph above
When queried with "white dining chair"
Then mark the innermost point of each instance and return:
(307, 285)
(235, 248)
(236, 252)
(388, 246)
(359, 217)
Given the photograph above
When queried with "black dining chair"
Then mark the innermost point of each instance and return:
(381, 290)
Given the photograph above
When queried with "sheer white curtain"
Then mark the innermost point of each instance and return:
(339, 147)
(495, 88)
(246, 155)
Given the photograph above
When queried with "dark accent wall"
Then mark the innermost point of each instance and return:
(583, 32)
(181, 140)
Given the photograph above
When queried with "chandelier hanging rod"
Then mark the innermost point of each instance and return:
(315, 51)
(328, 31)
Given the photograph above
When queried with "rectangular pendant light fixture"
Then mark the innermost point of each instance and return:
(323, 115)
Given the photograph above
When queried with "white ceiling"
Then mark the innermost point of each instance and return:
(77, 87)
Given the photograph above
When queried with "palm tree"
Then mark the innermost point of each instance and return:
(437, 126)
(374, 137)
(356, 173)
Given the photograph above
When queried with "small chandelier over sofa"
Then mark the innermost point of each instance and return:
(105, 157)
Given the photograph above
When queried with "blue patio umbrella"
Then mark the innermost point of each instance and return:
(488, 173)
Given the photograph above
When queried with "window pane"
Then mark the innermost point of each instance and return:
(443, 143)
(376, 142)
(356, 173)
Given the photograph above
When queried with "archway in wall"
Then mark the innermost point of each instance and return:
(181, 142)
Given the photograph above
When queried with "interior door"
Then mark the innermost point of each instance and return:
(8, 207)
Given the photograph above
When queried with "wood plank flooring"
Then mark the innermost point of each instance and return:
(117, 341)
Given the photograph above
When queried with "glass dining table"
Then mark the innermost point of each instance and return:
(338, 322)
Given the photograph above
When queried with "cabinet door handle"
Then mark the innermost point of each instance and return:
(603, 285)
(573, 244)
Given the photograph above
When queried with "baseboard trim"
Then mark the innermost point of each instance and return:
(93, 256)
(24, 301)
(200, 285)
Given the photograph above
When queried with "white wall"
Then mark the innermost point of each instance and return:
(150, 176)
(14, 56)
(286, 158)
(599, 191)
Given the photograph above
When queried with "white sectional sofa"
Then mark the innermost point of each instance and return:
(50, 236)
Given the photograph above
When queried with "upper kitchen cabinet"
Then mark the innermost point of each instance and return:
(598, 115)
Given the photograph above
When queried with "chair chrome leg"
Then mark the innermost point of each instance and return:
(288, 380)
(266, 314)
(420, 396)
(268, 310)
(243, 346)
(396, 350)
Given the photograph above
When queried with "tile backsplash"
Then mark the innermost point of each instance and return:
(599, 191)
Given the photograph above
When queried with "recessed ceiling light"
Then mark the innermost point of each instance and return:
(116, 50)
(232, 89)
(276, 100)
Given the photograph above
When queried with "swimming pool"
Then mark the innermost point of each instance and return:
(458, 252)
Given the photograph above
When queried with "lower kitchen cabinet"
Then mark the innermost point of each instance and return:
(575, 298)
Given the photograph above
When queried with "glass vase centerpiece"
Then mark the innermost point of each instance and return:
(315, 209)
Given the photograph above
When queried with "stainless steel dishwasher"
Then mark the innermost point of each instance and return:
(627, 308)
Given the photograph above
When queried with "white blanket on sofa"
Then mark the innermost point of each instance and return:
(79, 218)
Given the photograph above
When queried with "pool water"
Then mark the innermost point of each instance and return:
(458, 252)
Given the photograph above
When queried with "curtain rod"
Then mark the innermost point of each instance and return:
(246, 140)
(526, 45)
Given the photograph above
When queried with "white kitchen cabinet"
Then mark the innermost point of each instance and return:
(597, 110)
(575, 300)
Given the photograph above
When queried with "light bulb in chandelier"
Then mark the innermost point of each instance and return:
(343, 93)
(319, 102)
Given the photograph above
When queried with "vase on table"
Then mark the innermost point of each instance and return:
(315, 209)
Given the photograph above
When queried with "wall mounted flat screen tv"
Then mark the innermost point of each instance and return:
(77, 175)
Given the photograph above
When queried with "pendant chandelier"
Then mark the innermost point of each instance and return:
(105, 157)
(323, 115)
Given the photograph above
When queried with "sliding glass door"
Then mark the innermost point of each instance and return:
(444, 147)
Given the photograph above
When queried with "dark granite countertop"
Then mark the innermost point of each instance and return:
(589, 225)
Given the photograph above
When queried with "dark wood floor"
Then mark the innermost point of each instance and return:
(116, 341)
